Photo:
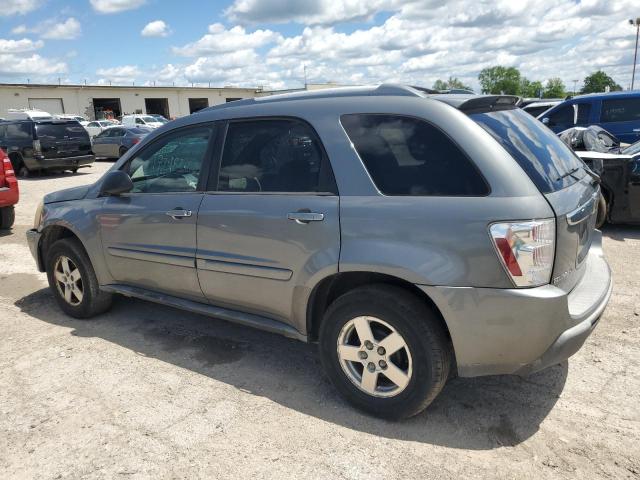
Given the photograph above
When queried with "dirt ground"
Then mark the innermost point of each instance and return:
(151, 392)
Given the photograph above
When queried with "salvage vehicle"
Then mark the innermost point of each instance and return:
(9, 193)
(115, 141)
(616, 112)
(413, 237)
(618, 167)
(49, 144)
(537, 108)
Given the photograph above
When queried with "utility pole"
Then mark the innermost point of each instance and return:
(635, 23)
(305, 75)
(575, 84)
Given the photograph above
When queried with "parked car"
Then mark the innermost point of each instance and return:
(28, 114)
(411, 236)
(616, 112)
(618, 167)
(45, 145)
(115, 141)
(159, 118)
(79, 118)
(537, 108)
(98, 126)
(141, 121)
(9, 194)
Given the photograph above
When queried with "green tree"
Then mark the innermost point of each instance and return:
(530, 89)
(453, 82)
(554, 88)
(500, 79)
(597, 82)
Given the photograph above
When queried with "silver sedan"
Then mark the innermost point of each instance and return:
(115, 141)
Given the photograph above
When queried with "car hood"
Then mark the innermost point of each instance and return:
(75, 193)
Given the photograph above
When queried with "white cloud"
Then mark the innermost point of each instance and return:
(67, 30)
(19, 46)
(19, 30)
(124, 73)
(157, 28)
(15, 65)
(18, 7)
(219, 40)
(115, 6)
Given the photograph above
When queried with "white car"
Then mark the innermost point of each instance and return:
(141, 120)
(98, 126)
(79, 118)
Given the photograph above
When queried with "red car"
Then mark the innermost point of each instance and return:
(8, 191)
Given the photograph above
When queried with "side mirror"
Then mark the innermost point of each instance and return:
(115, 183)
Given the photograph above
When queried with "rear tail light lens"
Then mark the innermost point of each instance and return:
(526, 250)
(135, 141)
(37, 149)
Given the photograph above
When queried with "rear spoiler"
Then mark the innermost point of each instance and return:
(489, 103)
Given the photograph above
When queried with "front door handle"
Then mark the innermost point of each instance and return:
(303, 217)
(178, 213)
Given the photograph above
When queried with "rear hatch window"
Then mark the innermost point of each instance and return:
(63, 139)
(546, 159)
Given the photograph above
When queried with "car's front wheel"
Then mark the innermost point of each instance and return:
(73, 280)
(7, 217)
(385, 350)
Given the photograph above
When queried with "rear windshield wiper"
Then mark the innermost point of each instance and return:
(570, 173)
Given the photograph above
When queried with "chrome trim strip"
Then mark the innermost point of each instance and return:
(583, 211)
(155, 257)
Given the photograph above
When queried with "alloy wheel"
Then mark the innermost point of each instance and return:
(68, 281)
(374, 356)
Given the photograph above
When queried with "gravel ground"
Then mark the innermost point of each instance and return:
(151, 392)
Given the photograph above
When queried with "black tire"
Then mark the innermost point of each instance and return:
(94, 301)
(7, 217)
(74, 170)
(122, 151)
(23, 171)
(419, 327)
(603, 209)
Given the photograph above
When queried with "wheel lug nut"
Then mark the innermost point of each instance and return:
(362, 355)
(383, 364)
(381, 351)
(369, 345)
(371, 367)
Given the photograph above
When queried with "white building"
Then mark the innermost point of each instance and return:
(92, 101)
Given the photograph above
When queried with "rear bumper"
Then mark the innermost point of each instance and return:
(33, 239)
(62, 162)
(521, 331)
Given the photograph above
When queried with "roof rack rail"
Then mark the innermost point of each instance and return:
(385, 89)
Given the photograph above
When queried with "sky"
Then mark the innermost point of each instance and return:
(268, 43)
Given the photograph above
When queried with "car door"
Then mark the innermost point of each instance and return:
(270, 223)
(621, 117)
(149, 234)
(100, 144)
(115, 138)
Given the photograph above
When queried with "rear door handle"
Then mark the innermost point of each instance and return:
(178, 213)
(303, 218)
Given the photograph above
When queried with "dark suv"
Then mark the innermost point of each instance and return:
(45, 145)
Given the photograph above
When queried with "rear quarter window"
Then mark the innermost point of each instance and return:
(409, 156)
(17, 131)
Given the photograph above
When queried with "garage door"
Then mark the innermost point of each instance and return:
(51, 105)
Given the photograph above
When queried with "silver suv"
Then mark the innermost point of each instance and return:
(414, 237)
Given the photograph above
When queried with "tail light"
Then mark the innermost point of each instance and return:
(135, 141)
(37, 148)
(526, 250)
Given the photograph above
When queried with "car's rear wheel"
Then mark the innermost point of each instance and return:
(73, 280)
(603, 209)
(7, 217)
(385, 351)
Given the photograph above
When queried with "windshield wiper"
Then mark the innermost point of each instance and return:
(570, 173)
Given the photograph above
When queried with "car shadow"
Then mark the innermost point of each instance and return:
(51, 175)
(621, 232)
(480, 413)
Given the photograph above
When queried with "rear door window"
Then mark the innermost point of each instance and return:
(620, 110)
(280, 155)
(408, 156)
(550, 164)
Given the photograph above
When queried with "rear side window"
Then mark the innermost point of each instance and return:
(55, 131)
(408, 156)
(18, 131)
(280, 155)
(550, 164)
(620, 110)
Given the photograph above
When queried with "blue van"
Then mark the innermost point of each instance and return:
(616, 112)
